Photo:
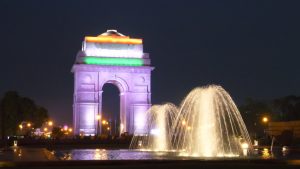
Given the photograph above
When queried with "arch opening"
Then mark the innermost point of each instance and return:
(110, 109)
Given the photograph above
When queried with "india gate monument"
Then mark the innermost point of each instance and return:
(111, 57)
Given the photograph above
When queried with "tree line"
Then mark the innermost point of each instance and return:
(280, 109)
(15, 109)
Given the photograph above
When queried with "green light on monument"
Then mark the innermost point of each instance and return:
(113, 61)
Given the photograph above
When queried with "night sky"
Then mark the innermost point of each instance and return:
(251, 48)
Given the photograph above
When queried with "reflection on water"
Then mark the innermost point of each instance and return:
(18, 152)
(103, 154)
(266, 153)
(100, 154)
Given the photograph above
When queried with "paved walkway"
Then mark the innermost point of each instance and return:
(26, 154)
(21, 157)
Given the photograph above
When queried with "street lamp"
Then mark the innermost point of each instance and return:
(50, 123)
(65, 128)
(265, 120)
(98, 117)
(28, 124)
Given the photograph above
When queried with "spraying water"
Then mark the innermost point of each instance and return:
(212, 124)
(207, 124)
(160, 120)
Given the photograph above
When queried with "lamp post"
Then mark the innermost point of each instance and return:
(265, 121)
(98, 125)
(109, 126)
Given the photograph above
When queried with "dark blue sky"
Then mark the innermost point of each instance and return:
(251, 48)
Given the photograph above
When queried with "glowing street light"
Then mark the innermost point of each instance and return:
(28, 124)
(65, 127)
(50, 123)
(20, 126)
(45, 129)
(98, 117)
(70, 129)
(265, 120)
(104, 122)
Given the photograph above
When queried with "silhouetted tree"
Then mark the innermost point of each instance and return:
(287, 108)
(252, 112)
(15, 109)
(281, 109)
(285, 138)
(57, 133)
(10, 113)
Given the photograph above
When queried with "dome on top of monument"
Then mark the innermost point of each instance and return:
(114, 37)
(112, 32)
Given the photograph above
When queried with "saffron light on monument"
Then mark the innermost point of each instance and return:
(117, 59)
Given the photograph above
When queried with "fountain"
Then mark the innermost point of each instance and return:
(160, 120)
(208, 124)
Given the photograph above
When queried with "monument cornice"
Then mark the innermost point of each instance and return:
(103, 68)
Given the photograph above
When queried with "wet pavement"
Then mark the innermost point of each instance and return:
(24, 157)
(26, 154)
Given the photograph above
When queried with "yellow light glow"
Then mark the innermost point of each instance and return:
(66, 128)
(113, 39)
(28, 124)
(45, 129)
(108, 128)
(103, 121)
(189, 128)
(265, 153)
(20, 126)
(265, 119)
(50, 123)
(98, 117)
(183, 122)
(121, 127)
(70, 129)
(245, 146)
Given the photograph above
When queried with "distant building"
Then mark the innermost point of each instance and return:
(277, 128)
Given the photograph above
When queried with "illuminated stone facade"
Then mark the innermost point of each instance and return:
(111, 58)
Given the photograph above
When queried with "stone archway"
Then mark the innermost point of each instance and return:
(132, 76)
